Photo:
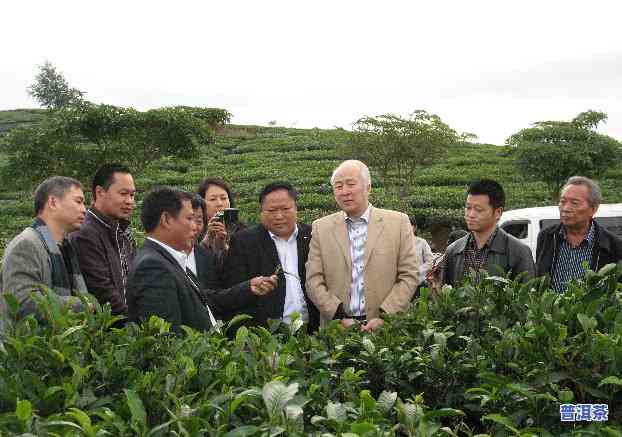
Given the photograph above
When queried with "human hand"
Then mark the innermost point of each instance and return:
(372, 325)
(262, 285)
(348, 323)
(217, 232)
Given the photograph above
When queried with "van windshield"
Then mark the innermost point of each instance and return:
(613, 224)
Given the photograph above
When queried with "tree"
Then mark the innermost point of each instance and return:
(51, 89)
(76, 140)
(553, 151)
(398, 146)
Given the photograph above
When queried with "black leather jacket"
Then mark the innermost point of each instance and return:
(607, 249)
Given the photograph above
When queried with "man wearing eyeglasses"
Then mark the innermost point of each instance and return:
(279, 245)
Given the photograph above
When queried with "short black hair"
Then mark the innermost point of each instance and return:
(197, 201)
(205, 184)
(104, 176)
(278, 185)
(494, 191)
(413, 220)
(159, 200)
(56, 186)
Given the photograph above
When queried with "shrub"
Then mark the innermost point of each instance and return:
(497, 358)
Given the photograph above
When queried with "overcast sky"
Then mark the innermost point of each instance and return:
(486, 67)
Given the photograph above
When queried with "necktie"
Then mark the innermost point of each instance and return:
(195, 282)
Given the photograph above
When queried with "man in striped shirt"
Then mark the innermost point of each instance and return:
(563, 249)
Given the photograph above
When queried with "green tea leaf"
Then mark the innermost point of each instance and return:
(336, 411)
(386, 400)
(276, 395)
(611, 380)
(244, 431)
(501, 420)
(369, 345)
(587, 323)
(361, 428)
(135, 404)
(23, 410)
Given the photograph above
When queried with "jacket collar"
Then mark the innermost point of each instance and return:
(106, 221)
(496, 244)
(601, 239)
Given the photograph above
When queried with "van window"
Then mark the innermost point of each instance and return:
(517, 229)
(612, 224)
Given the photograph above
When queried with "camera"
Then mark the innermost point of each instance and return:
(231, 217)
(219, 216)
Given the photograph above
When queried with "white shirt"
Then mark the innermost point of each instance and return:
(288, 257)
(426, 258)
(182, 259)
(192, 262)
(357, 230)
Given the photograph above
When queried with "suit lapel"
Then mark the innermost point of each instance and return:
(174, 262)
(302, 245)
(340, 231)
(268, 248)
(374, 230)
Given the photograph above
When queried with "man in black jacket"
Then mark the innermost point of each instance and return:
(486, 246)
(278, 245)
(161, 284)
(104, 244)
(562, 249)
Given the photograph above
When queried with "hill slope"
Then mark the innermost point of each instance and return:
(250, 156)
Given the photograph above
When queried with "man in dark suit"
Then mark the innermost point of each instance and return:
(160, 282)
(278, 241)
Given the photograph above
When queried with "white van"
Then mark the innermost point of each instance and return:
(525, 224)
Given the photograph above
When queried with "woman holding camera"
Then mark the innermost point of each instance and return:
(218, 197)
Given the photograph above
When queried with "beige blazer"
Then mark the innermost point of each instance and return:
(391, 264)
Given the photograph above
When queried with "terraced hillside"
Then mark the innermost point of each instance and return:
(250, 156)
(19, 117)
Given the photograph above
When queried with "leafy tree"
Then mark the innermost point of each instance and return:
(553, 151)
(51, 89)
(399, 146)
(76, 140)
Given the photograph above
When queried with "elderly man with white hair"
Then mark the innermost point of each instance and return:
(362, 261)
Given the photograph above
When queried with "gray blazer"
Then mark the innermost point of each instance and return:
(506, 252)
(26, 266)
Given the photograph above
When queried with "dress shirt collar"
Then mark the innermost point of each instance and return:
(293, 236)
(591, 234)
(364, 217)
(180, 257)
(472, 243)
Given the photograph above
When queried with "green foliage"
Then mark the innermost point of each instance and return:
(398, 146)
(51, 89)
(249, 157)
(20, 118)
(75, 141)
(553, 151)
(493, 359)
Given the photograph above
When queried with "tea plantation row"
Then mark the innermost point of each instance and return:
(496, 359)
(248, 157)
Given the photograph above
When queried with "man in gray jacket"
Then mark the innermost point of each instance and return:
(486, 247)
(40, 256)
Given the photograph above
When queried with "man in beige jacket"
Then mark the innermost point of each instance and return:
(362, 260)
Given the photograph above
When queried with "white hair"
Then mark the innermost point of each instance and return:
(363, 171)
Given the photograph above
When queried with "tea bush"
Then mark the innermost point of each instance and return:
(494, 359)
